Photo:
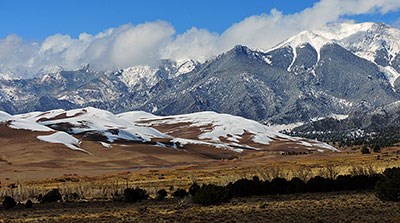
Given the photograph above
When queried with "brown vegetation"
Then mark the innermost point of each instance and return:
(319, 207)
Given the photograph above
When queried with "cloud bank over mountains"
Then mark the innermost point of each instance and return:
(148, 43)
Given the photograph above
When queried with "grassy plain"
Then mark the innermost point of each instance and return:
(99, 192)
(318, 207)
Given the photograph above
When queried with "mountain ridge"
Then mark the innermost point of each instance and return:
(296, 81)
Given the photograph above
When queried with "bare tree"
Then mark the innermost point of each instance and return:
(329, 171)
(303, 172)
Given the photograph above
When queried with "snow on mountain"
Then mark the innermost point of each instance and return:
(184, 66)
(366, 40)
(390, 73)
(256, 85)
(7, 73)
(313, 38)
(139, 74)
(285, 127)
(138, 77)
(50, 70)
(50, 77)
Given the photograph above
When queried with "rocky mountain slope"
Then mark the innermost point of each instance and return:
(378, 127)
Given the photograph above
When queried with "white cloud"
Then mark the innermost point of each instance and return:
(119, 47)
(140, 44)
(265, 31)
(124, 46)
(147, 43)
(197, 44)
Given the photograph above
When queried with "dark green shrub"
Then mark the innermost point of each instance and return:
(212, 195)
(365, 150)
(388, 188)
(376, 148)
(51, 196)
(193, 189)
(180, 193)
(345, 182)
(296, 185)
(9, 202)
(361, 182)
(278, 186)
(242, 188)
(134, 195)
(28, 204)
(320, 184)
(161, 194)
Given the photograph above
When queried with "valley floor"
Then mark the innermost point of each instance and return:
(318, 207)
(98, 190)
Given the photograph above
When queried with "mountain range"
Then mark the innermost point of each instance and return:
(339, 69)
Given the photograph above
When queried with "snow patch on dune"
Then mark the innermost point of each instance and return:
(106, 123)
(63, 138)
(135, 116)
(217, 130)
(4, 116)
(223, 125)
(28, 125)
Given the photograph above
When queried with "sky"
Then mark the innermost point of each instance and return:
(35, 20)
(110, 34)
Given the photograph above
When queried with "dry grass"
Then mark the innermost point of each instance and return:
(217, 172)
(327, 207)
(99, 190)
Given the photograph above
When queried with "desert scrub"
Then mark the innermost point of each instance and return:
(212, 195)
(161, 194)
(134, 195)
(179, 193)
(388, 189)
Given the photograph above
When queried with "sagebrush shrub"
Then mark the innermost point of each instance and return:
(388, 188)
(212, 195)
(134, 195)
(180, 193)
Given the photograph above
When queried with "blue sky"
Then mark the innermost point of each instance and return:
(111, 34)
(37, 19)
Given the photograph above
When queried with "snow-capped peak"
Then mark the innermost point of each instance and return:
(8, 73)
(134, 75)
(363, 39)
(48, 77)
(50, 70)
(137, 76)
(366, 40)
(316, 40)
